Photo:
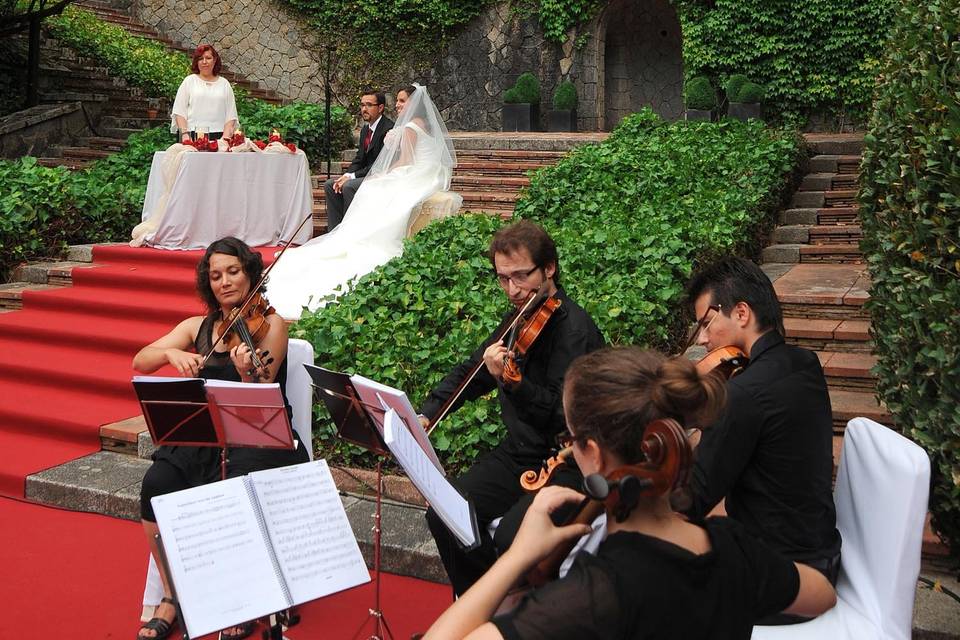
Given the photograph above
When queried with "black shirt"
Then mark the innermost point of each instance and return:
(532, 410)
(771, 455)
(639, 586)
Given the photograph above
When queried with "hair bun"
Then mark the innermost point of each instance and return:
(681, 391)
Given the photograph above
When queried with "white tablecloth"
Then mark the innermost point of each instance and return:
(259, 198)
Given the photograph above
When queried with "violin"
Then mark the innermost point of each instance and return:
(533, 302)
(250, 327)
(247, 322)
(667, 465)
(521, 340)
(725, 361)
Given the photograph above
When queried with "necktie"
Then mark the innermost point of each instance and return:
(368, 139)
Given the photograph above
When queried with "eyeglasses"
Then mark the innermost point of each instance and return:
(702, 324)
(518, 278)
(369, 104)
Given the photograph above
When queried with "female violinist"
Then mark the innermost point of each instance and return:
(656, 575)
(225, 275)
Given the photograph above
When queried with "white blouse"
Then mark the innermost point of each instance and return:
(204, 104)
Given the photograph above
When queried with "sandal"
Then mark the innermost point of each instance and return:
(161, 628)
(243, 630)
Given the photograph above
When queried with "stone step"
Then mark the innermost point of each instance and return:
(839, 164)
(835, 143)
(826, 334)
(848, 404)
(11, 293)
(821, 291)
(828, 181)
(812, 217)
(848, 370)
(102, 142)
(85, 153)
(842, 253)
(118, 132)
(824, 199)
(70, 163)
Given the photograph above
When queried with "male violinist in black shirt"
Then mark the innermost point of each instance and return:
(771, 454)
(525, 261)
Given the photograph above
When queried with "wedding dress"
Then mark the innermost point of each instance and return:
(417, 161)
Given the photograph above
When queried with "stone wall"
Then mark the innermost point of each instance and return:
(33, 131)
(257, 38)
(630, 57)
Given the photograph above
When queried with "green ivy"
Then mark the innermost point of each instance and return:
(811, 56)
(910, 212)
(631, 217)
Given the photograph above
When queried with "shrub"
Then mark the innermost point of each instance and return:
(512, 96)
(909, 199)
(699, 94)
(44, 209)
(299, 122)
(732, 88)
(528, 88)
(750, 93)
(631, 217)
(565, 97)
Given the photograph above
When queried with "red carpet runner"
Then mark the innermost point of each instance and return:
(77, 575)
(67, 354)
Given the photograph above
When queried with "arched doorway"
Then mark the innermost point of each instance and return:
(642, 59)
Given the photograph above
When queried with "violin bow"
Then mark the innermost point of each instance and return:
(536, 298)
(253, 291)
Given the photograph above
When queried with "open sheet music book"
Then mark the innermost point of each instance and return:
(250, 546)
(455, 510)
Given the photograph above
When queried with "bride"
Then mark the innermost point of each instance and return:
(417, 161)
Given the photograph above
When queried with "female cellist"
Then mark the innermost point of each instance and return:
(225, 275)
(656, 575)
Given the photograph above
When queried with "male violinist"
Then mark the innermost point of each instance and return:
(525, 262)
(771, 454)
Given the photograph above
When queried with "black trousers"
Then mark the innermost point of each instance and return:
(492, 485)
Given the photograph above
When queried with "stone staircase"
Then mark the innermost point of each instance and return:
(115, 109)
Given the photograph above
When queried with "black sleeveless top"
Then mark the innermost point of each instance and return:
(200, 465)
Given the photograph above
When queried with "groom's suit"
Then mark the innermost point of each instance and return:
(339, 203)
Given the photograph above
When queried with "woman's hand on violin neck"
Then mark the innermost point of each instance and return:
(493, 358)
(249, 371)
(538, 536)
(186, 363)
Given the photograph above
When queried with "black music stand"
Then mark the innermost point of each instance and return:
(355, 424)
(186, 412)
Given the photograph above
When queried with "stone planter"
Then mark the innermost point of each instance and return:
(562, 120)
(697, 115)
(745, 110)
(521, 117)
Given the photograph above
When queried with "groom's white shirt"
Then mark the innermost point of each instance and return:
(373, 130)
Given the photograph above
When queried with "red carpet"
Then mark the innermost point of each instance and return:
(68, 353)
(78, 575)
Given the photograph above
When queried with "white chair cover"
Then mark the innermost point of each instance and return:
(881, 497)
(300, 396)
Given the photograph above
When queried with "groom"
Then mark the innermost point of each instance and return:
(340, 191)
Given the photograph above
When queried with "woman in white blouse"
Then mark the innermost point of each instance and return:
(204, 100)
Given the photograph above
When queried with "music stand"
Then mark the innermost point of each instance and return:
(356, 424)
(197, 413)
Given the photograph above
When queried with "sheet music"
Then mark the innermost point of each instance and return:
(377, 394)
(452, 508)
(217, 555)
(309, 530)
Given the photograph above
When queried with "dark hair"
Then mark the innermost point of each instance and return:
(198, 53)
(734, 280)
(409, 89)
(380, 96)
(251, 261)
(530, 236)
(611, 395)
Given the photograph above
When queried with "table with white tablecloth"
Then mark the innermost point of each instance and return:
(260, 198)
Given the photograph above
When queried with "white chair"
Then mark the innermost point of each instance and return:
(881, 498)
(300, 396)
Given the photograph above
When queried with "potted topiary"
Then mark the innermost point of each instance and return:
(747, 103)
(734, 83)
(700, 98)
(563, 116)
(521, 108)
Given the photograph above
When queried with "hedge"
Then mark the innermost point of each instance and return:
(631, 217)
(910, 212)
